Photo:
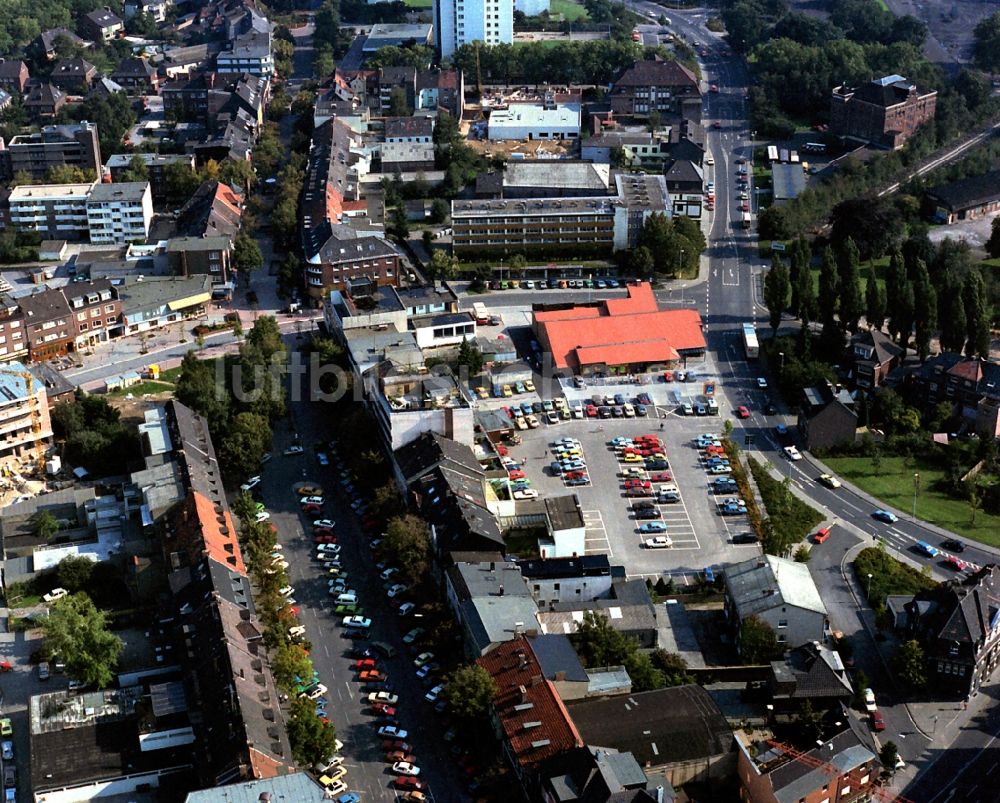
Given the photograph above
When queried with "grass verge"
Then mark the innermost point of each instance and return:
(568, 10)
(791, 518)
(888, 576)
(891, 480)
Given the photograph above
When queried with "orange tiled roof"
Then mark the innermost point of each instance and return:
(541, 730)
(619, 331)
(221, 541)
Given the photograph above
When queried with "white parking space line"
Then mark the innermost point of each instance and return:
(595, 534)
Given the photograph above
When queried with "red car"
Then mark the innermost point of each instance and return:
(371, 675)
(502, 450)
(821, 535)
(575, 475)
(661, 476)
(325, 539)
(650, 440)
(878, 723)
(409, 782)
(312, 508)
(591, 411)
(636, 484)
(365, 663)
(957, 564)
(396, 744)
(516, 474)
(742, 412)
(384, 709)
(400, 755)
(709, 450)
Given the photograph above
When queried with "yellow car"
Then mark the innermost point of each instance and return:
(631, 457)
(533, 422)
(335, 775)
(829, 481)
(482, 393)
(520, 423)
(529, 386)
(507, 392)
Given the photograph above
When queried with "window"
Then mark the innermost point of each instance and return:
(782, 623)
(845, 791)
(82, 316)
(83, 327)
(109, 308)
(864, 780)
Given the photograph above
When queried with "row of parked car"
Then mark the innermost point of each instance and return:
(555, 284)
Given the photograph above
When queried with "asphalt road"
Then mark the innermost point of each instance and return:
(367, 772)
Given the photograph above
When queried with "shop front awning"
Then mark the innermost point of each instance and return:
(190, 301)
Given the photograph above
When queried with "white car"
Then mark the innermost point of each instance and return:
(433, 694)
(761, 383)
(311, 500)
(526, 493)
(324, 523)
(792, 453)
(360, 622)
(659, 542)
(870, 701)
(317, 692)
(669, 488)
(829, 481)
(296, 632)
(405, 608)
(291, 450)
(406, 768)
(383, 697)
(286, 591)
(387, 573)
(328, 549)
(261, 516)
(250, 484)
(54, 594)
(396, 590)
(423, 658)
(392, 732)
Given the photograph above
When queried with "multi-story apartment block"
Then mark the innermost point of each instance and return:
(885, 112)
(24, 415)
(459, 22)
(56, 211)
(53, 146)
(249, 49)
(666, 87)
(600, 223)
(120, 213)
(156, 165)
(96, 311)
(190, 256)
(49, 324)
(13, 339)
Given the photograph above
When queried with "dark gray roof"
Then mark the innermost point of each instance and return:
(556, 657)
(564, 511)
(579, 566)
(663, 726)
(885, 92)
(657, 73)
(789, 180)
(683, 170)
(429, 451)
(967, 192)
(408, 127)
(764, 583)
(44, 305)
(119, 191)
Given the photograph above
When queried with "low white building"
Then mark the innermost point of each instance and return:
(444, 329)
(120, 213)
(523, 121)
(566, 529)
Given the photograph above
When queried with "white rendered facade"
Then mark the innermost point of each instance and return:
(460, 22)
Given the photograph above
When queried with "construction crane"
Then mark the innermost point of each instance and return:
(877, 792)
(34, 412)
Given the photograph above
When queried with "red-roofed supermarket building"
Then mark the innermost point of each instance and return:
(629, 334)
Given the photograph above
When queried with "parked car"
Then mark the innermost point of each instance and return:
(745, 538)
(54, 594)
(659, 542)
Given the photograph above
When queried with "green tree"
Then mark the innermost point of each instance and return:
(312, 740)
(439, 210)
(196, 387)
(875, 301)
(68, 174)
(44, 525)
(772, 224)
(78, 632)
(977, 316)
(470, 355)
(598, 643)
(829, 286)
(407, 539)
(73, 572)
(398, 106)
(776, 289)
(442, 266)
(986, 52)
(290, 661)
(247, 256)
(758, 643)
(244, 444)
(469, 691)
(924, 309)
(673, 666)
(803, 554)
(952, 313)
(180, 182)
(852, 305)
(136, 170)
(888, 755)
(640, 261)
(993, 243)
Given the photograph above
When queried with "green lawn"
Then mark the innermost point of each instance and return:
(568, 10)
(142, 388)
(893, 483)
(417, 3)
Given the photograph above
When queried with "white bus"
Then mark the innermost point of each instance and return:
(481, 313)
(747, 220)
(750, 344)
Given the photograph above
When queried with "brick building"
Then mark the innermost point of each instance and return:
(666, 87)
(885, 112)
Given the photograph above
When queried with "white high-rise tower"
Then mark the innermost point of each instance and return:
(460, 22)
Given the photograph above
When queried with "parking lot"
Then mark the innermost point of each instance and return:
(700, 536)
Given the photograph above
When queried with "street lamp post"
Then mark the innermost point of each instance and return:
(869, 586)
(916, 489)
(781, 362)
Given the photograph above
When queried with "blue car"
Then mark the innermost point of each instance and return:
(729, 509)
(782, 430)
(927, 549)
(348, 797)
(526, 408)
(640, 410)
(709, 574)
(652, 527)
(885, 515)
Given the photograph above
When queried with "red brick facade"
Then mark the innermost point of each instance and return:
(883, 113)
